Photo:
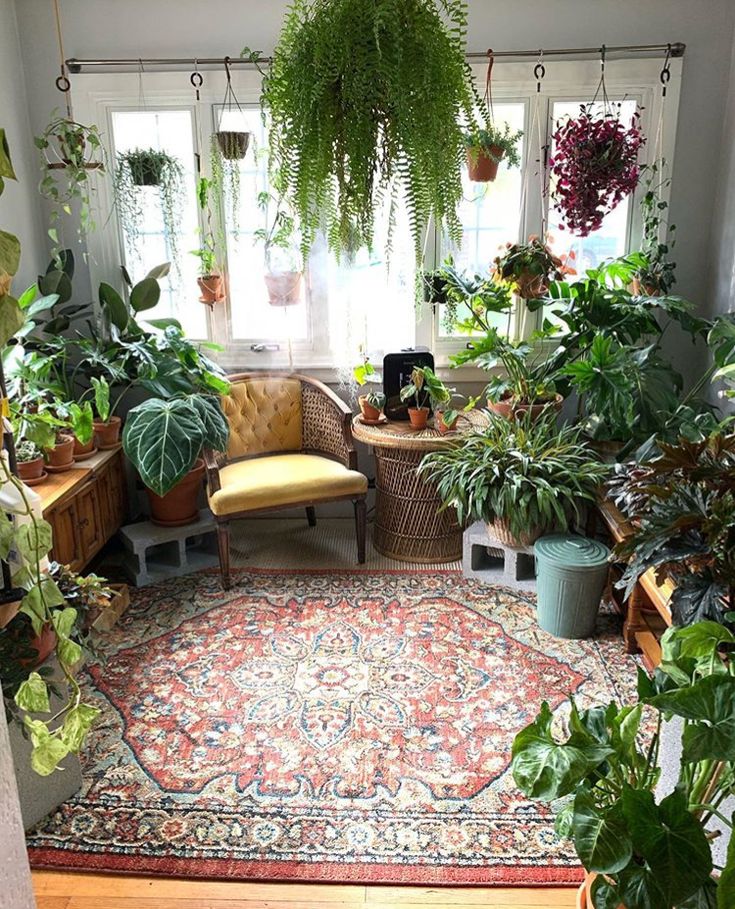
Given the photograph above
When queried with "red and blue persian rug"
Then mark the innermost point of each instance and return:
(324, 726)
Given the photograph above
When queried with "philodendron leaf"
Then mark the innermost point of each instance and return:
(546, 769)
(34, 540)
(638, 889)
(11, 318)
(9, 253)
(163, 439)
(710, 706)
(47, 755)
(670, 840)
(56, 282)
(114, 306)
(77, 723)
(63, 621)
(32, 695)
(601, 836)
(216, 427)
(145, 294)
(6, 165)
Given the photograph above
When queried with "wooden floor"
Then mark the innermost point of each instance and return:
(61, 890)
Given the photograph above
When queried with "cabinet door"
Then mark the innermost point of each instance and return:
(66, 543)
(90, 525)
(111, 497)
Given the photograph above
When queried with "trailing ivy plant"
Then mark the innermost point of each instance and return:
(367, 100)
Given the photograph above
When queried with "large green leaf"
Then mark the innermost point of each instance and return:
(145, 294)
(671, 841)
(56, 282)
(9, 253)
(11, 318)
(163, 440)
(601, 837)
(710, 706)
(546, 769)
(114, 306)
(32, 695)
(216, 427)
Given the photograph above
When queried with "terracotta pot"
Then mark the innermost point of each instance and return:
(179, 505)
(107, 435)
(499, 530)
(62, 454)
(44, 643)
(481, 166)
(83, 449)
(367, 410)
(644, 288)
(530, 286)
(419, 417)
(212, 288)
(233, 145)
(507, 407)
(31, 470)
(441, 424)
(284, 289)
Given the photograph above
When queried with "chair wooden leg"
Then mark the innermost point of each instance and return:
(360, 528)
(311, 515)
(223, 543)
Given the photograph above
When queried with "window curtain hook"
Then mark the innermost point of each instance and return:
(539, 71)
(196, 79)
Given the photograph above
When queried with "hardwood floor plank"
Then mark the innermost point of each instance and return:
(379, 897)
(163, 902)
(52, 902)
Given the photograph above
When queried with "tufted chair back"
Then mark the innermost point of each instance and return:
(265, 415)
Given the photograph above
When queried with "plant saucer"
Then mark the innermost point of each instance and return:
(382, 419)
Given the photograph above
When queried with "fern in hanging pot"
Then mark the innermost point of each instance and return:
(487, 147)
(139, 171)
(367, 99)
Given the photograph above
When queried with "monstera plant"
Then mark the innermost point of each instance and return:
(164, 441)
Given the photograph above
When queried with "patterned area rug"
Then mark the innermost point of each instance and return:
(324, 726)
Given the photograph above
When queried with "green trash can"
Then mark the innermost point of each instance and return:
(571, 572)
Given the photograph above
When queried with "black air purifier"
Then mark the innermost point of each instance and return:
(396, 373)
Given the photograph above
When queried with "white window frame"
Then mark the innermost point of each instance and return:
(98, 95)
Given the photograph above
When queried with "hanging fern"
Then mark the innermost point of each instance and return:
(367, 99)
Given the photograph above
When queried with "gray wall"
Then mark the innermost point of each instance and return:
(723, 225)
(19, 206)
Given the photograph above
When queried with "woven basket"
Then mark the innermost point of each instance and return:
(500, 531)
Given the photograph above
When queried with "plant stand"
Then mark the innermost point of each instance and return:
(489, 561)
(154, 553)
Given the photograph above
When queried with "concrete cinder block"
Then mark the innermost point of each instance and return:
(488, 560)
(154, 553)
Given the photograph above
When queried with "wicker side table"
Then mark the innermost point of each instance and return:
(409, 525)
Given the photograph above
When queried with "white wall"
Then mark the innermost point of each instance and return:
(19, 208)
(723, 224)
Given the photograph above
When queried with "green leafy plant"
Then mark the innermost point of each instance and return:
(376, 399)
(141, 168)
(279, 236)
(225, 169)
(496, 142)
(366, 99)
(425, 386)
(473, 304)
(525, 473)
(207, 252)
(163, 439)
(71, 152)
(363, 372)
(27, 451)
(602, 772)
(530, 267)
(101, 388)
(655, 272)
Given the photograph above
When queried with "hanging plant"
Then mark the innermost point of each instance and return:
(137, 171)
(283, 266)
(211, 281)
(70, 151)
(226, 181)
(595, 165)
(366, 99)
(486, 148)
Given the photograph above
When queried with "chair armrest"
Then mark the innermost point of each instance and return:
(212, 462)
(327, 423)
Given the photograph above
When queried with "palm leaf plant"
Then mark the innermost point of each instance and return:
(367, 99)
(600, 771)
(524, 477)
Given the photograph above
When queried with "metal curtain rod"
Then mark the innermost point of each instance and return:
(76, 65)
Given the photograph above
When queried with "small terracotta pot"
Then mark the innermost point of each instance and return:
(107, 435)
(367, 410)
(481, 166)
(62, 454)
(499, 530)
(644, 288)
(31, 470)
(212, 288)
(83, 449)
(509, 408)
(179, 505)
(441, 424)
(419, 417)
(284, 289)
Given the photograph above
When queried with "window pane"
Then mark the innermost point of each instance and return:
(169, 131)
(490, 212)
(253, 317)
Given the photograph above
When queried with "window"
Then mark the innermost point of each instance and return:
(369, 302)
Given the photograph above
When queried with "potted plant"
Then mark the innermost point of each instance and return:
(106, 426)
(163, 440)
(211, 282)
(426, 388)
(30, 463)
(655, 272)
(522, 478)
(530, 267)
(71, 152)
(487, 147)
(641, 850)
(594, 166)
(371, 404)
(60, 456)
(282, 257)
(137, 172)
(345, 144)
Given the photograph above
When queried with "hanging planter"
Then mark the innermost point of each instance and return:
(233, 145)
(284, 288)
(212, 289)
(488, 146)
(595, 166)
(211, 281)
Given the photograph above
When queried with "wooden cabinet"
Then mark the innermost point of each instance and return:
(85, 507)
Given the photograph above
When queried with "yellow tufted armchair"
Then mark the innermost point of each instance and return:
(290, 445)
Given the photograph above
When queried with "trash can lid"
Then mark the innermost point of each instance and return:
(571, 551)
